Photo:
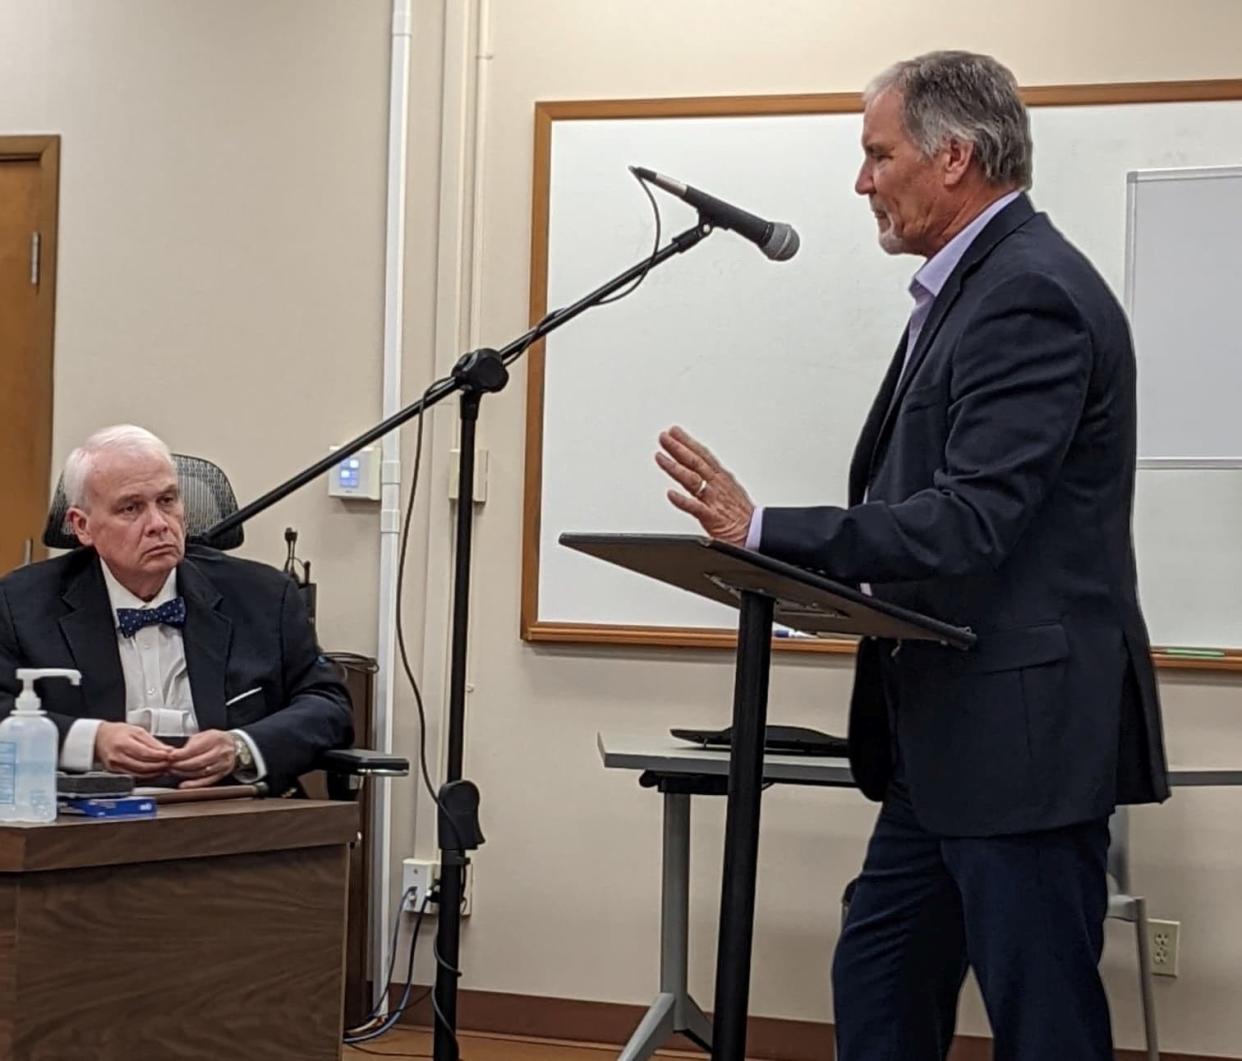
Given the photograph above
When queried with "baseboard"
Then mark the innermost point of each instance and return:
(769, 1038)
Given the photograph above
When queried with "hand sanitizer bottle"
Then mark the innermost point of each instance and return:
(28, 752)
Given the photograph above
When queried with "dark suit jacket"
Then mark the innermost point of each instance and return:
(245, 627)
(999, 482)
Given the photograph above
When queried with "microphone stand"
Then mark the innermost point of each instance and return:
(480, 372)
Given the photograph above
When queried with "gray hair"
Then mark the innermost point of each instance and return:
(123, 438)
(965, 96)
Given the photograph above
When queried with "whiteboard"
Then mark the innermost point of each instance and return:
(775, 364)
(1183, 269)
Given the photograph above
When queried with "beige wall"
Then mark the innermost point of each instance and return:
(221, 281)
(221, 242)
(566, 899)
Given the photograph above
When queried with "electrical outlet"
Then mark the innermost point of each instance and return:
(1162, 941)
(418, 878)
(422, 875)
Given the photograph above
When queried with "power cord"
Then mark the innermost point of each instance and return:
(374, 1016)
(365, 1036)
(389, 1053)
(441, 1019)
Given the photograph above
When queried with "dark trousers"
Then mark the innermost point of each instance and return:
(1026, 912)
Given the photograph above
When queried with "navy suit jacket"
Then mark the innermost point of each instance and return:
(245, 627)
(998, 477)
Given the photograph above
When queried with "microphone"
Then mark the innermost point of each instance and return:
(778, 241)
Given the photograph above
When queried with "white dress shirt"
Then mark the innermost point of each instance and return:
(157, 683)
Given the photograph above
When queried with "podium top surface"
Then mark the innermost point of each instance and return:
(804, 600)
(178, 831)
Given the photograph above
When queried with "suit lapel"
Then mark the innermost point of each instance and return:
(1010, 218)
(89, 629)
(207, 636)
(860, 465)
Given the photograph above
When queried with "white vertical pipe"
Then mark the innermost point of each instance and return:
(390, 480)
(483, 56)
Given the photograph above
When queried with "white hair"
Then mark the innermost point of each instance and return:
(123, 438)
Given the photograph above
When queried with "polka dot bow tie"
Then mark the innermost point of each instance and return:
(130, 620)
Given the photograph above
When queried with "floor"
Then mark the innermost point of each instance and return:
(408, 1043)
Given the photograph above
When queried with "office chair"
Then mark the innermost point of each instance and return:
(1121, 906)
(205, 492)
(208, 497)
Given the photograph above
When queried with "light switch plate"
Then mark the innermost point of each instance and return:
(357, 476)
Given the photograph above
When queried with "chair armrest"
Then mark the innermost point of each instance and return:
(363, 761)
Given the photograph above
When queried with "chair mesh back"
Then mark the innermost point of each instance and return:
(205, 492)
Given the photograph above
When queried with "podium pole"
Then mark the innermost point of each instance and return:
(741, 852)
(765, 589)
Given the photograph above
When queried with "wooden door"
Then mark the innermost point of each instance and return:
(28, 200)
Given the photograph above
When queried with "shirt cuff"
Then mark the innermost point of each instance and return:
(755, 534)
(78, 752)
(258, 771)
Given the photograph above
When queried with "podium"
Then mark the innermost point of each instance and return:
(213, 930)
(764, 591)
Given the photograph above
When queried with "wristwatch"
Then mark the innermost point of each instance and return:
(244, 756)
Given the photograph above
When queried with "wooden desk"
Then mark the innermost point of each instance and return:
(214, 931)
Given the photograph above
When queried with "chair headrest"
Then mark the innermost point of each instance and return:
(206, 495)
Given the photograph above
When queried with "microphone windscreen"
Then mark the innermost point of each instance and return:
(782, 244)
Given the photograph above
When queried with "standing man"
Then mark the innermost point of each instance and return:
(196, 668)
(992, 486)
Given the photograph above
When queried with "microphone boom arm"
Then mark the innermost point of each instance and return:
(460, 380)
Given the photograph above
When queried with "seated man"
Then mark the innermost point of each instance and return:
(212, 653)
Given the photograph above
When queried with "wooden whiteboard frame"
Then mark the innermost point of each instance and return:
(546, 113)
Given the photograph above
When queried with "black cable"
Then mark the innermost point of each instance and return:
(425, 772)
(655, 248)
(391, 1020)
(371, 1017)
(414, 1001)
(418, 699)
(444, 1023)
(435, 1006)
(421, 996)
(385, 1053)
(405, 659)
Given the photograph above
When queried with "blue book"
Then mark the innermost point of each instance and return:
(127, 807)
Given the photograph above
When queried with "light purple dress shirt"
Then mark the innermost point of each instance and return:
(925, 286)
